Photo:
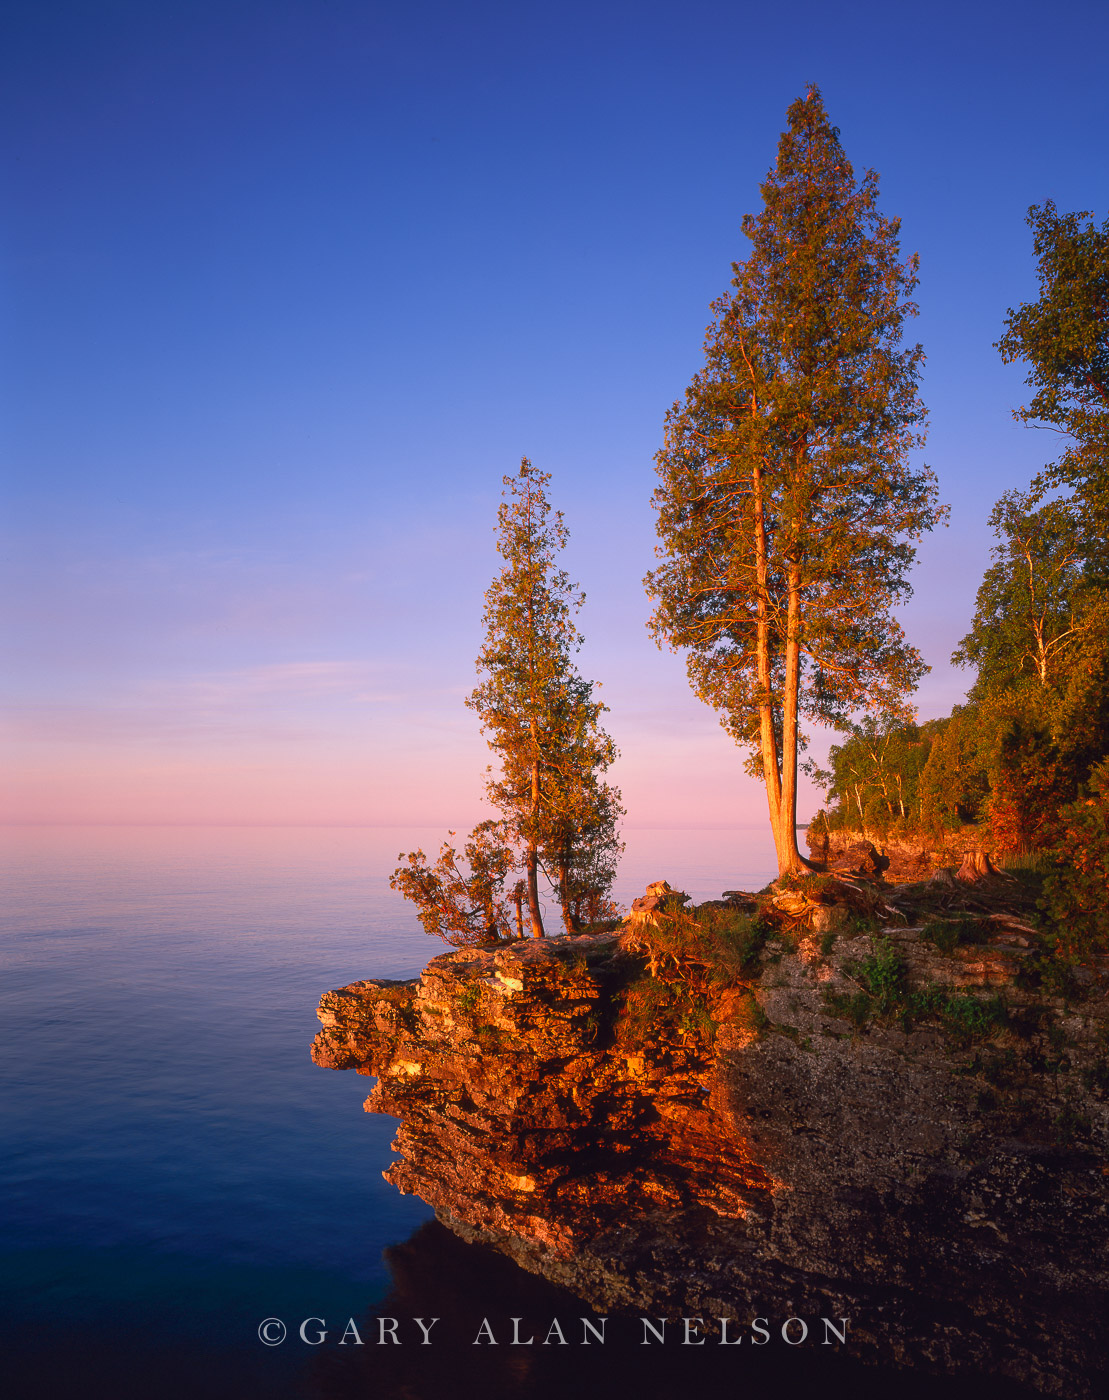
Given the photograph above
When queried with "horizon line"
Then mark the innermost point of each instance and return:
(363, 826)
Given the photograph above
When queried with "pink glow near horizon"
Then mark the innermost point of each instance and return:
(697, 783)
(256, 428)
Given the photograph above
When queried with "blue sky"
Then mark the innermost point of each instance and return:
(286, 287)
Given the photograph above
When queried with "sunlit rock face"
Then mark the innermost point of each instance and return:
(759, 1153)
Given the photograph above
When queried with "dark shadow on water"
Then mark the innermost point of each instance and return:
(437, 1275)
(170, 1329)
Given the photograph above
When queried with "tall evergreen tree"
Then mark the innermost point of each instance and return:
(539, 715)
(786, 500)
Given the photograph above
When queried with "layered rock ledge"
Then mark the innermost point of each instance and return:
(767, 1150)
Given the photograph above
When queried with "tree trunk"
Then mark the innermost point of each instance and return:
(532, 862)
(533, 855)
(564, 893)
(789, 857)
(518, 900)
(767, 741)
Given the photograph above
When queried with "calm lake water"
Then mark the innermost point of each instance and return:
(177, 1170)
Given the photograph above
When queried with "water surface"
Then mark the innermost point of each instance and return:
(177, 1170)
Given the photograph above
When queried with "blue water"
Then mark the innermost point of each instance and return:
(172, 1151)
(176, 1169)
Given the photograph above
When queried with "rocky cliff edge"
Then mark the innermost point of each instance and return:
(925, 1156)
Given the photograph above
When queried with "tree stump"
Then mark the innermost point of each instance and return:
(976, 866)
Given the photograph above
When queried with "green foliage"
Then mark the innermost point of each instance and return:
(1032, 863)
(1070, 1123)
(583, 852)
(1079, 715)
(954, 784)
(1052, 970)
(884, 994)
(744, 937)
(1076, 887)
(653, 1009)
(751, 1015)
(1038, 718)
(696, 1024)
(856, 1007)
(1096, 1077)
(1039, 617)
(965, 1017)
(1031, 609)
(951, 933)
(463, 904)
(490, 1039)
(1027, 783)
(468, 999)
(1063, 337)
(706, 947)
(882, 973)
(786, 500)
(874, 778)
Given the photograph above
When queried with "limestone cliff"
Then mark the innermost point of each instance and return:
(770, 1147)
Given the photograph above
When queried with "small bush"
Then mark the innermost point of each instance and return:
(490, 1039)
(751, 1016)
(1069, 1124)
(949, 934)
(1036, 862)
(885, 995)
(856, 1007)
(602, 926)
(697, 1024)
(468, 999)
(656, 1010)
(708, 947)
(970, 1018)
(883, 973)
(1096, 1078)
(1051, 970)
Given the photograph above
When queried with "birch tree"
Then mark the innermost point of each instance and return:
(1035, 602)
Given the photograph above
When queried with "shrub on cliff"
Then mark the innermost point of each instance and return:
(466, 905)
(706, 947)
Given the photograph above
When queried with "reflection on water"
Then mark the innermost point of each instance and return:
(178, 1170)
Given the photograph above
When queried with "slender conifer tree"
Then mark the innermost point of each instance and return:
(538, 714)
